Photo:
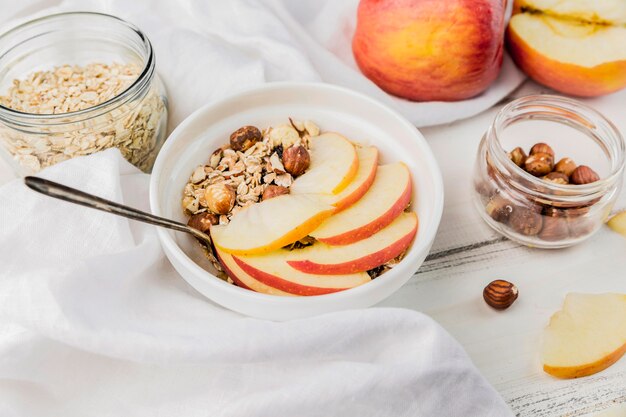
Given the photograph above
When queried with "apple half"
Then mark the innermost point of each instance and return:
(242, 279)
(271, 224)
(575, 47)
(334, 164)
(363, 255)
(272, 270)
(385, 200)
(587, 336)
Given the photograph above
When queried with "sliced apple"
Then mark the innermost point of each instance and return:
(570, 56)
(361, 256)
(384, 201)
(244, 280)
(605, 11)
(617, 223)
(272, 270)
(586, 336)
(271, 224)
(363, 180)
(334, 164)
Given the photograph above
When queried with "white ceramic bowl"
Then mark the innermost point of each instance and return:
(358, 117)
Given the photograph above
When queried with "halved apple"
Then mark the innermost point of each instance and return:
(363, 180)
(384, 201)
(272, 270)
(334, 164)
(586, 336)
(271, 224)
(244, 280)
(363, 255)
(594, 11)
(571, 47)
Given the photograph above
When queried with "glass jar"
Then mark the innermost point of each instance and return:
(532, 210)
(134, 120)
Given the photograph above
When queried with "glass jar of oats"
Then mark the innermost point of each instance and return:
(73, 84)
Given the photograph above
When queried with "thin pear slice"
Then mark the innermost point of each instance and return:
(385, 200)
(334, 164)
(586, 336)
(271, 224)
(272, 270)
(363, 255)
(244, 280)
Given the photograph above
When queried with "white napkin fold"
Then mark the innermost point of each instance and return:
(95, 322)
(207, 49)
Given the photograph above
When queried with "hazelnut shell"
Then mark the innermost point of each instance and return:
(296, 160)
(500, 294)
(244, 138)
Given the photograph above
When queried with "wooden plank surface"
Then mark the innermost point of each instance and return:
(467, 255)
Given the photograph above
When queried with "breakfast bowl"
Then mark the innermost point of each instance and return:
(333, 109)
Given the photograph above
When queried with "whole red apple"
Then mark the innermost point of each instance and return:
(430, 50)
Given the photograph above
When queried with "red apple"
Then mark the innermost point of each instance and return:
(576, 47)
(426, 50)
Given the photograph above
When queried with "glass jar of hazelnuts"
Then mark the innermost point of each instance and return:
(548, 171)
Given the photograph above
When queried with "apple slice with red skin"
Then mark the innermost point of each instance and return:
(271, 224)
(272, 270)
(334, 164)
(363, 255)
(385, 200)
(242, 279)
(368, 164)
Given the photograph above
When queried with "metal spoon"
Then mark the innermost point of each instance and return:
(72, 195)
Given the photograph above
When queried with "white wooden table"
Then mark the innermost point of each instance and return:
(467, 255)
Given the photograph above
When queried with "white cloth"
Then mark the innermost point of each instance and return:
(95, 322)
(206, 49)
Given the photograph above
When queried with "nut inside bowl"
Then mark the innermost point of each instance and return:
(355, 116)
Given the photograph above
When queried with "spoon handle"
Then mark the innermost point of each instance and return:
(75, 196)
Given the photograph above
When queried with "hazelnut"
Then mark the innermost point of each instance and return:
(539, 164)
(500, 294)
(220, 198)
(499, 208)
(557, 178)
(542, 148)
(203, 221)
(525, 221)
(565, 166)
(584, 175)
(554, 229)
(580, 226)
(244, 138)
(484, 188)
(274, 191)
(296, 160)
(518, 156)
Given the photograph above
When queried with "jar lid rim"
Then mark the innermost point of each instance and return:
(580, 189)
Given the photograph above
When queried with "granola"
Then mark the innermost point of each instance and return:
(249, 172)
(256, 166)
(135, 127)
